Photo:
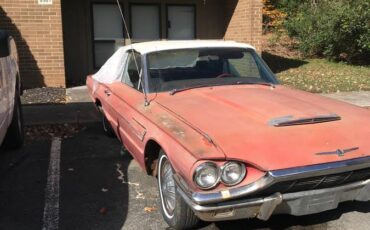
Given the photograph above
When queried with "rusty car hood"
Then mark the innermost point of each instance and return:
(241, 120)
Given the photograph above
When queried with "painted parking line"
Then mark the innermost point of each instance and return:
(51, 208)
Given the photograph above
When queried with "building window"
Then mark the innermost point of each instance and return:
(108, 31)
(180, 22)
(145, 22)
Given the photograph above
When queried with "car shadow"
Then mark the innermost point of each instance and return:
(278, 63)
(288, 221)
(10, 159)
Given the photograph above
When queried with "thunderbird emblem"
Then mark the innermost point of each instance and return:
(339, 152)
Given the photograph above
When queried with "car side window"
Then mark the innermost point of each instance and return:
(131, 76)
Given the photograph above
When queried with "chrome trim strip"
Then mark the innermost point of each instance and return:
(208, 198)
(339, 152)
(321, 169)
(200, 208)
(275, 176)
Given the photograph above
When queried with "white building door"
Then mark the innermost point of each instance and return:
(180, 22)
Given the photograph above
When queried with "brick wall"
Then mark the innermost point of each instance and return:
(244, 21)
(37, 30)
(38, 33)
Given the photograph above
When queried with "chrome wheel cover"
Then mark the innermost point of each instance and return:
(167, 186)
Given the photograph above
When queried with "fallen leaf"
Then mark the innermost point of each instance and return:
(103, 211)
(150, 209)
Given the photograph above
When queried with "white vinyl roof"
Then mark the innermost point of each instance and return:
(112, 70)
(148, 47)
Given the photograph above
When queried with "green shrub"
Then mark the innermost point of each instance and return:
(339, 30)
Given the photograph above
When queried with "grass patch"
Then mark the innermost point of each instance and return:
(319, 75)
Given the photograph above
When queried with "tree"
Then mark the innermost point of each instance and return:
(339, 30)
(272, 17)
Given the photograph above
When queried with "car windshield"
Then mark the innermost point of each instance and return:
(187, 68)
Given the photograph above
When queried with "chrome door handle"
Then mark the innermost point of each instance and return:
(107, 92)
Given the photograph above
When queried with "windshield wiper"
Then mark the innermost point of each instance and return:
(174, 91)
(272, 85)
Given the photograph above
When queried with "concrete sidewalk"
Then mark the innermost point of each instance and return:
(80, 109)
(77, 94)
(361, 98)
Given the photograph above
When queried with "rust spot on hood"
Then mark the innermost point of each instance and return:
(172, 127)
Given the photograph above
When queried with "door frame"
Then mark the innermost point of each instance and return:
(145, 4)
(195, 17)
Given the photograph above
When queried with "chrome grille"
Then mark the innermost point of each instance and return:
(319, 182)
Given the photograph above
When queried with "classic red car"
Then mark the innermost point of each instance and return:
(224, 138)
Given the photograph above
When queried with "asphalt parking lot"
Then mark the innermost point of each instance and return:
(89, 182)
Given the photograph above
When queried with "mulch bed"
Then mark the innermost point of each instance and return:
(47, 132)
(45, 95)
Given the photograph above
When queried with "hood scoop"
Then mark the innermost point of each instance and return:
(291, 120)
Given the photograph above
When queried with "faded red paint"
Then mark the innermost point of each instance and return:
(237, 120)
(232, 122)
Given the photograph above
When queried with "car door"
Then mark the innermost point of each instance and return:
(128, 99)
(103, 90)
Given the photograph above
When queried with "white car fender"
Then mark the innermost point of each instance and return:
(8, 81)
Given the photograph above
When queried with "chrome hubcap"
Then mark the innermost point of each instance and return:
(168, 187)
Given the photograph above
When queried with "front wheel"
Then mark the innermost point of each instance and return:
(174, 210)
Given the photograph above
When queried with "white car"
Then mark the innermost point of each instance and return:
(11, 120)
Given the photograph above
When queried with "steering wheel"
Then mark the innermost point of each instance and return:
(224, 75)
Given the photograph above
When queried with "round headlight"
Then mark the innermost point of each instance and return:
(233, 173)
(207, 175)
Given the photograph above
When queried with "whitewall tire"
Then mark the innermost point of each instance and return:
(174, 210)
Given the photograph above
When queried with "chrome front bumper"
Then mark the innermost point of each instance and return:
(297, 204)
(232, 203)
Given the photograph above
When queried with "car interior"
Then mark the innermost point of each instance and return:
(209, 67)
(132, 74)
